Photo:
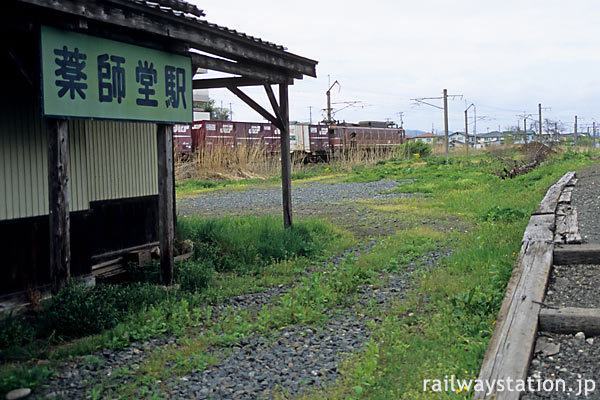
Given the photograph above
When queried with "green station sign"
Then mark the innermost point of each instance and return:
(89, 77)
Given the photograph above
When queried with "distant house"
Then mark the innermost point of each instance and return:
(428, 138)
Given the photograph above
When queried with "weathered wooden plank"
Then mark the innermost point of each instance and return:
(550, 201)
(511, 346)
(166, 233)
(286, 164)
(567, 229)
(577, 254)
(59, 197)
(573, 182)
(255, 106)
(215, 83)
(541, 227)
(570, 320)
(198, 34)
(239, 68)
(566, 195)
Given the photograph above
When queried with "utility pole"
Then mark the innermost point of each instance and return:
(230, 112)
(310, 114)
(556, 132)
(446, 120)
(329, 121)
(475, 123)
(466, 134)
(445, 96)
(401, 114)
(575, 133)
(525, 129)
(467, 127)
(594, 132)
(540, 121)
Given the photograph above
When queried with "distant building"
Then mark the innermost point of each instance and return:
(428, 138)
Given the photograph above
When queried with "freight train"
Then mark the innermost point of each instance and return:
(307, 141)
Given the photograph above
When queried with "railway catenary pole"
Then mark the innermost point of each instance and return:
(466, 134)
(575, 133)
(467, 126)
(540, 121)
(446, 120)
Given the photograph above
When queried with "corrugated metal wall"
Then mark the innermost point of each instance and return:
(122, 159)
(24, 163)
(107, 160)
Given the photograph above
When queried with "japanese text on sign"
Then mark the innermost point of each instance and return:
(90, 77)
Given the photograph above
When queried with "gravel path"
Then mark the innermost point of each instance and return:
(308, 194)
(574, 286)
(576, 360)
(586, 197)
(290, 361)
(573, 358)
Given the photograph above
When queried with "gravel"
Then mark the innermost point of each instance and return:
(574, 286)
(287, 362)
(290, 361)
(308, 194)
(576, 358)
(586, 198)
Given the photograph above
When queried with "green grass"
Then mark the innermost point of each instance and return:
(233, 256)
(443, 327)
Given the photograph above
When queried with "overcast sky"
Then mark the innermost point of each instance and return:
(505, 56)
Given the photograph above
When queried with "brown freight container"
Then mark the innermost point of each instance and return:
(319, 139)
(182, 138)
(272, 138)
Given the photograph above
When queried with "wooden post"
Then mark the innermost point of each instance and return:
(166, 228)
(59, 196)
(286, 164)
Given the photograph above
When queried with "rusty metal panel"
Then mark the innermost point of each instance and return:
(319, 139)
(182, 138)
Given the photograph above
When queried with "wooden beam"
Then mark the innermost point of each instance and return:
(273, 101)
(59, 198)
(550, 201)
(540, 227)
(512, 343)
(286, 164)
(570, 320)
(216, 83)
(166, 235)
(199, 34)
(566, 227)
(573, 254)
(256, 107)
(566, 195)
(239, 68)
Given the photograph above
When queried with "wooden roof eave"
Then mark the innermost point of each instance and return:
(197, 34)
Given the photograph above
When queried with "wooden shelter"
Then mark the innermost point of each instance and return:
(86, 163)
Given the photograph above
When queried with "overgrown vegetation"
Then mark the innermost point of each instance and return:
(440, 328)
(248, 252)
(443, 328)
